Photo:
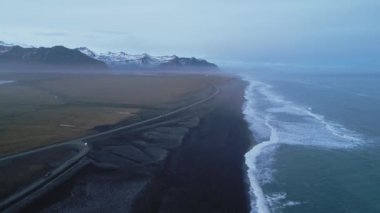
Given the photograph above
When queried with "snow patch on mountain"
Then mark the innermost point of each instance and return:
(4, 44)
(5, 47)
(122, 58)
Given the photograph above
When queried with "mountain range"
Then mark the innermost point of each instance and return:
(122, 60)
(18, 58)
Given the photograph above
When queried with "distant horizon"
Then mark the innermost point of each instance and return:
(238, 65)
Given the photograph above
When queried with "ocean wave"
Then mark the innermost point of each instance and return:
(262, 111)
(256, 192)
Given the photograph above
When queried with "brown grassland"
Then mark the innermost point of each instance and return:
(42, 109)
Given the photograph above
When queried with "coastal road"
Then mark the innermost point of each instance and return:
(83, 149)
(84, 146)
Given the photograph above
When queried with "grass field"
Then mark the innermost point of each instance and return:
(37, 110)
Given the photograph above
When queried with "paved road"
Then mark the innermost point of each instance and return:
(83, 145)
(82, 151)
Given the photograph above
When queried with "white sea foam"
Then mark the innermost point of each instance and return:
(251, 157)
(256, 191)
(310, 129)
(5, 82)
(278, 200)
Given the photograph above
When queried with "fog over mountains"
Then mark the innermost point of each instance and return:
(18, 58)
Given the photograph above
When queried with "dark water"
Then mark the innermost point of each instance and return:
(320, 137)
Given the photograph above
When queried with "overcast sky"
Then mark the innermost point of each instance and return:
(235, 31)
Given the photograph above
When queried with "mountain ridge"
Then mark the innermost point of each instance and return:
(146, 61)
(27, 57)
(46, 59)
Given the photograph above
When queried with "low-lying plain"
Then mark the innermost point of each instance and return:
(43, 109)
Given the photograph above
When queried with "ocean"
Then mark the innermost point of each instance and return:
(318, 141)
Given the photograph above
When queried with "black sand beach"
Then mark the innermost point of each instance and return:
(192, 163)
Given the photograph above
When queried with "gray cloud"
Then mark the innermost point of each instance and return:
(51, 33)
(110, 32)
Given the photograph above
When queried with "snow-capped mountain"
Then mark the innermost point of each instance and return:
(123, 60)
(19, 55)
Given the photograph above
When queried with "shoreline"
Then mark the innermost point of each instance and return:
(201, 178)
